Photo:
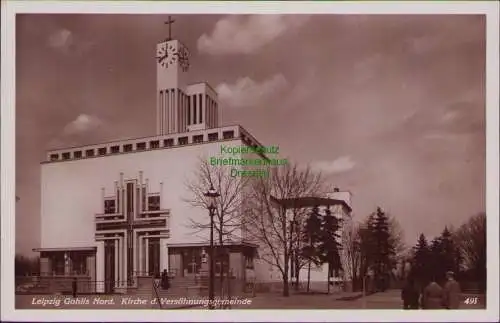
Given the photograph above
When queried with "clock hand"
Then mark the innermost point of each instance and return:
(161, 58)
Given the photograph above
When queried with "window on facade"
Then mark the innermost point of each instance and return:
(79, 263)
(154, 144)
(228, 134)
(189, 110)
(183, 141)
(198, 138)
(102, 151)
(89, 152)
(54, 157)
(77, 154)
(213, 136)
(144, 199)
(127, 147)
(194, 109)
(168, 142)
(115, 149)
(154, 203)
(140, 146)
(224, 259)
(65, 156)
(58, 261)
(109, 206)
(248, 262)
(200, 115)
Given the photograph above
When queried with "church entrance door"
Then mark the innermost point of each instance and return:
(109, 267)
(154, 257)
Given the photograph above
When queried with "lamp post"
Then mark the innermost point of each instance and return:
(212, 194)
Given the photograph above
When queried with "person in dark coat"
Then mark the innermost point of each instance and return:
(74, 286)
(451, 292)
(165, 281)
(410, 295)
(432, 297)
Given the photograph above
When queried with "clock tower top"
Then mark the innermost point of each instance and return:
(180, 106)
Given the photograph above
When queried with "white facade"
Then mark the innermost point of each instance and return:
(79, 185)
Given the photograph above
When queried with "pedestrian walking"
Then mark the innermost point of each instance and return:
(451, 293)
(165, 281)
(410, 295)
(432, 296)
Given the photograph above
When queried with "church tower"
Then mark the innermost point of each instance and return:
(181, 107)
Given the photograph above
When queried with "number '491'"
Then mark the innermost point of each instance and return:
(471, 300)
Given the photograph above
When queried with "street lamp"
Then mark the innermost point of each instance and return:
(212, 194)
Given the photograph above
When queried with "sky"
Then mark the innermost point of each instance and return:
(391, 108)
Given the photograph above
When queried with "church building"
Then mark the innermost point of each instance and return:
(116, 211)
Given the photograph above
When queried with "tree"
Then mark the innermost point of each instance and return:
(268, 223)
(445, 255)
(329, 246)
(351, 242)
(384, 251)
(311, 237)
(228, 219)
(420, 263)
(25, 265)
(471, 241)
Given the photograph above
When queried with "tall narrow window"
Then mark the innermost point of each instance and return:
(130, 199)
(189, 110)
(144, 205)
(118, 200)
(194, 109)
(200, 117)
(109, 206)
(161, 107)
(154, 203)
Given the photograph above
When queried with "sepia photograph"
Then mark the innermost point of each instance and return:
(185, 159)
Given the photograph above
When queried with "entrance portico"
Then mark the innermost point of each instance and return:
(131, 234)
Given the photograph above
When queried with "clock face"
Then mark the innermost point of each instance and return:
(168, 55)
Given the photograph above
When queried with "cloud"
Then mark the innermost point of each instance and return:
(83, 123)
(65, 41)
(339, 165)
(246, 92)
(235, 34)
(62, 39)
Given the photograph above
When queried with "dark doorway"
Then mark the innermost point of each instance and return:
(109, 266)
(154, 256)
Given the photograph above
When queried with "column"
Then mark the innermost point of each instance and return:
(100, 267)
(117, 261)
(139, 247)
(146, 242)
(123, 242)
(67, 264)
(134, 245)
(164, 255)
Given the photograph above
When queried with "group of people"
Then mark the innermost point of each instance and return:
(433, 296)
(163, 281)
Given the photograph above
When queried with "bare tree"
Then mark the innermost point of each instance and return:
(228, 219)
(269, 224)
(351, 244)
(471, 240)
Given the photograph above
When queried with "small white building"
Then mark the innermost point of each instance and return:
(114, 211)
